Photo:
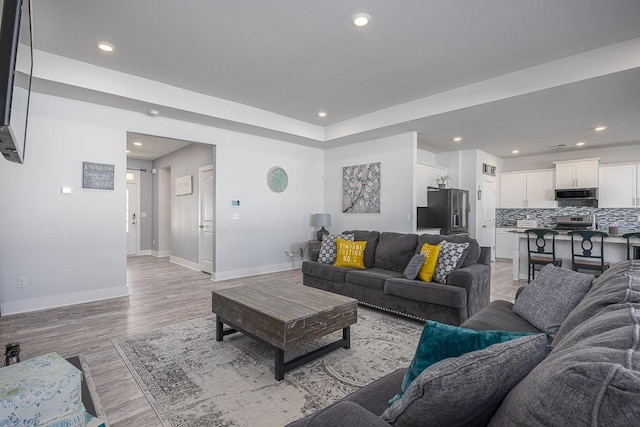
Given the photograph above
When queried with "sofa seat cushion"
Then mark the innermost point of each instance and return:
(373, 278)
(325, 271)
(371, 237)
(499, 315)
(615, 286)
(395, 250)
(430, 292)
(593, 381)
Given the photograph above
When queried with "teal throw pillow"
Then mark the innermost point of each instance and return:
(439, 341)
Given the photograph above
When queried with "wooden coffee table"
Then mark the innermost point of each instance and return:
(284, 316)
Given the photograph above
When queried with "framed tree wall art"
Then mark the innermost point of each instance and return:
(361, 188)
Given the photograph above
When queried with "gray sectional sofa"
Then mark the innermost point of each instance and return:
(591, 376)
(382, 285)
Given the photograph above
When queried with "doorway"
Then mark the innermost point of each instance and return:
(206, 218)
(133, 212)
(488, 209)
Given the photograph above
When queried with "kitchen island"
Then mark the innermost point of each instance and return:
(614, 250)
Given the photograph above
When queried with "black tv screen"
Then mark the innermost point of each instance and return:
(16, 60)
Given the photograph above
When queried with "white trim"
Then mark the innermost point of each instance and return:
(160, 254)
(185, 263)
(245, 272)
(62, 300)
(142, 253)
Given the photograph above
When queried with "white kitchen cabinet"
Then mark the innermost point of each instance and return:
(619, 186)
(577, 174)
(528, 189)
(513, 190)
(422, 181)
(427, 177)
(504, 243)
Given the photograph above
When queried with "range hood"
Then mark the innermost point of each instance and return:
(577, 197)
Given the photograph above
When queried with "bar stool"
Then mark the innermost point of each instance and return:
(628, 236)
(541, 255)
(588, 260)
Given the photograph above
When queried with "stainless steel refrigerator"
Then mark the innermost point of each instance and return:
(448, 210)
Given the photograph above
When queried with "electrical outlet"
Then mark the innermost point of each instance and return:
(22, 282)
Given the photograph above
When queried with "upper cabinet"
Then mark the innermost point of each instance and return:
(577, 174)
(528, 189)
(427, 177)
(619, 186)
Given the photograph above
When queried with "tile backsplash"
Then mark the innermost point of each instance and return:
(626, 219)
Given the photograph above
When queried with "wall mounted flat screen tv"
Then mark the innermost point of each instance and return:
(16, 65)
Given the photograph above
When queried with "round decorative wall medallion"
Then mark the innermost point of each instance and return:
(277, 179)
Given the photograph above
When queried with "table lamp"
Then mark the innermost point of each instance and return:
(320, 220)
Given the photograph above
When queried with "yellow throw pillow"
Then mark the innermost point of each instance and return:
(430, 253)
(350, 254)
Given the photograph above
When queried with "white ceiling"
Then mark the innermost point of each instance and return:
(295, 58)
(151, 147)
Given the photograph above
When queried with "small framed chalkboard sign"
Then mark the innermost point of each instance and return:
(97, 175)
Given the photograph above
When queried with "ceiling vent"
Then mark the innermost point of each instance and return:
(558, 147)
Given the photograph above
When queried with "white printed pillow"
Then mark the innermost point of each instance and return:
(328, 250)
(450, 257)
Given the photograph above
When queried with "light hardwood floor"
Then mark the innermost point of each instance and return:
(161, 293)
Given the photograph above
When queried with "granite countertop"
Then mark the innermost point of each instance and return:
(565, 232)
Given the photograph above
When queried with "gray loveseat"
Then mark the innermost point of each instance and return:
(591, 376)
(382, 285)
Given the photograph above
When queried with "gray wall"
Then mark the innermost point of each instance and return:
(184, 209)
(145, 201)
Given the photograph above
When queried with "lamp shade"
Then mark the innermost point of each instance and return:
(321, 219)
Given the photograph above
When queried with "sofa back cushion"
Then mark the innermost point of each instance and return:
(371, 237)
(615, 286)
(395, 250)
(589, 380)
(472, 254)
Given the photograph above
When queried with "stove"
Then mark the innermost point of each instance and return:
(574, 222)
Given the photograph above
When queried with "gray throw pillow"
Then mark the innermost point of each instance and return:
(450, 258)
(413, 268)
(467, 390)
(551, 296)
(328, 249)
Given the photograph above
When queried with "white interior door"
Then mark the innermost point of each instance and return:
(488, 204)
(206, 218)
(132, 218)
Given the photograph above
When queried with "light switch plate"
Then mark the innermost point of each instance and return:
(65, 189)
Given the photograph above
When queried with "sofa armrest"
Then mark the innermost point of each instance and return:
(485, 255)
(476, 280)
(343, 413)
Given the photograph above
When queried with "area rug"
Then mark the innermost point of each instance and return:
(191, 379)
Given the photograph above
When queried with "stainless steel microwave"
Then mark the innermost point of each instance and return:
(577, 197)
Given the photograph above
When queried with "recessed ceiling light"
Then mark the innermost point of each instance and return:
(580, 144)
(361, 19)
(457, 139)
(137, 143)
(106, 47)
(153, 113)
(322, 114)
(515, 151)
(600, 128)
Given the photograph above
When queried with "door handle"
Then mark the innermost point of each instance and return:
(201, 226)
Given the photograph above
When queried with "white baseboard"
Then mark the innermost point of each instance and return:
(245, 272)
(185, 263)
(145, 252)
(53, 301)
(160, 254)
